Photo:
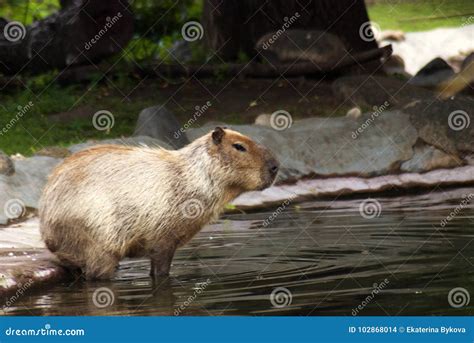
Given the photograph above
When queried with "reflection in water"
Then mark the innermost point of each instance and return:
(330, 259)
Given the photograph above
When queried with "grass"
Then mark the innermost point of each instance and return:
(415, 15)
(35, 130)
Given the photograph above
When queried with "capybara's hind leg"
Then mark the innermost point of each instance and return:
(101, 266)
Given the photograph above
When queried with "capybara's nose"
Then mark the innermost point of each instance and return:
(273, 167)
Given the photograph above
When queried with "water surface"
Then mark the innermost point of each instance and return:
(318, 258)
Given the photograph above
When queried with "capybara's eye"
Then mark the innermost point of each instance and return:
(239, 147)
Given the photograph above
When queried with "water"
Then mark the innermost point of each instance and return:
(328, 258)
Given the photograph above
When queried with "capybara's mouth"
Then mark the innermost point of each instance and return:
(267, 182)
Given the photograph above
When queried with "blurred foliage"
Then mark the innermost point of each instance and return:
(27, 11)
(157, 19)
(406, 15)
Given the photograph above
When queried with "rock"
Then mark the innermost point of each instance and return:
(368, 91)
(54, 151)
(392, 35)
(428, 114)
(24, 272)
(6, 164)
(394, 65)
(446, 124)
(419, 48)
(24, 235)
(469, 159)
(23, 188)
(327, 147)
(157, 122)
(469, 59)
(339, 186)
(427, 157)
(263, 119)
(132, 141)
(433, 74)
(302, 45)
(354, 113)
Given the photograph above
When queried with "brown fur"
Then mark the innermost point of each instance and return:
(108, 202)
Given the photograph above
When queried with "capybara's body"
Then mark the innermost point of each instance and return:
(109, 202)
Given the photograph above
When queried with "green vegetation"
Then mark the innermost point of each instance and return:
(26, 129)
(27, 11)
(421, 15)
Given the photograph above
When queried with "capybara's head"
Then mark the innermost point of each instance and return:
(248, 165)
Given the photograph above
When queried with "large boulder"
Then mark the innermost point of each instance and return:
(23, 188)
(160, 123)
(446, 124)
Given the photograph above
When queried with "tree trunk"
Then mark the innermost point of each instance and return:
(231, 27)
(83, 31)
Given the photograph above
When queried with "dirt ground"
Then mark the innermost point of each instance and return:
(242, 100)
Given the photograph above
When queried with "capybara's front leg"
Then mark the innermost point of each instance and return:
(161, 258)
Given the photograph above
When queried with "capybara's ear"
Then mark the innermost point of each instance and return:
(217, 135)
